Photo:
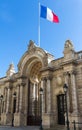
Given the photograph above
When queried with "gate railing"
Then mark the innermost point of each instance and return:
(77, 125)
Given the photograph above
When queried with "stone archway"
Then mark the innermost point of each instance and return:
(34, 60)
(33, 94)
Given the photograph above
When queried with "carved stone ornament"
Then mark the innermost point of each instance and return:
(45, 60)
(68, 44)
(31, 45)
(59, 81)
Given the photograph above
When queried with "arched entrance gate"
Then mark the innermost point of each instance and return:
(30, 65)
(34, 85)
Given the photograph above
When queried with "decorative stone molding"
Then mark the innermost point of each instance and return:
(23, 84)
(68, 45)
(66, 73)
(59, 81)
(49, 77)
(69, 52)
(43, 79)
(8, 87)
(45, 60)
(74, 92)
(31, 45)
(59, 91)
(20, 83)
(73, 72)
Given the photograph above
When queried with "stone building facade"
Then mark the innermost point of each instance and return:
(20, 101)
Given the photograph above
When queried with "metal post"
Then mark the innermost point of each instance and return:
(66, 111)
(74, 125)
(65, 91)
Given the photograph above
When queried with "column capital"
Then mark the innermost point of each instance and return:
(43, 78)
(49, 77)
(73, 72)
(66, 73)
(21, 84)
(8, 87)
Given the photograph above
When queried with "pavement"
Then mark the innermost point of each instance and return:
(19, 128)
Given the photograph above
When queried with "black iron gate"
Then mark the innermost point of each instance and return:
(33, 117)
(61, 106)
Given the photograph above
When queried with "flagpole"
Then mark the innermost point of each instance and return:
(39, 27)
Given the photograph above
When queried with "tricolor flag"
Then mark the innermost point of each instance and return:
(47, 13)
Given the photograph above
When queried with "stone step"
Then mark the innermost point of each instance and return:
(57, 127)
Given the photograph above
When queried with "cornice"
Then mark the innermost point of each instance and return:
(21, 77)
(57, 68)
(46, 69)
(69, 62)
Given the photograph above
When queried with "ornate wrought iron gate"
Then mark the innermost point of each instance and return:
(34, 117)
(61, 107)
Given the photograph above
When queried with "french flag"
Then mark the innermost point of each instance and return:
(47, 13)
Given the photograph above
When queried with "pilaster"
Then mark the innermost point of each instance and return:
(20, 116)
(49, 94)
(6, 116)
(74, 93)
(17, 101)
(46, 116)
(8, 100)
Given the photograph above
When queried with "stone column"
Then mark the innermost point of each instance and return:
(1, 103)
(32, 97)
(43, 96)
(17, 101)
(66, 76)
(74, 93)
(20, 116)
(48, 95)
(5, 96)
(21, 98)
(34, 91)
(8, 100)
(6, 118)
(26, 101)
(47, 115)
(26, 97)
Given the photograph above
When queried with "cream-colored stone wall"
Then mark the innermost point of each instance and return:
(37, 69)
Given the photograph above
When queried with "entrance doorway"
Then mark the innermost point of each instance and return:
(61, 107)
(14, 109)
(34, 84)
(34, 117)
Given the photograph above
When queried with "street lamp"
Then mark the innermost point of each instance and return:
(41, 93)
(65, 87)
(14, 95)
(1, 97)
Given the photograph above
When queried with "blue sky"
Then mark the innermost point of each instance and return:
(19, 24)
